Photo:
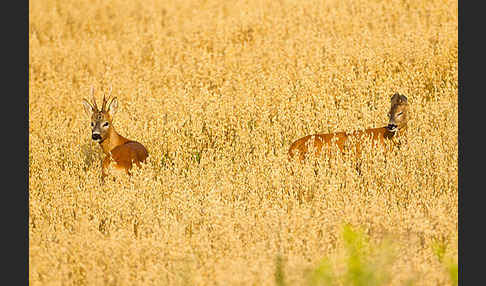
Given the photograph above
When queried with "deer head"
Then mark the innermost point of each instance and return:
(398, 114)
(101, 120)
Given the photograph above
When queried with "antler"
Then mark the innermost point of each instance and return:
(93, 99)
(105, 100)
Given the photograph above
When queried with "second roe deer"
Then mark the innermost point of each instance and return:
(397, 124)
(120, 152)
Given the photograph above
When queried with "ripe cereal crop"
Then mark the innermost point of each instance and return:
(217, 91)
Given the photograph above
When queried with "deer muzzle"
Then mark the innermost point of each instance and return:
(392, 127)
(96, 136)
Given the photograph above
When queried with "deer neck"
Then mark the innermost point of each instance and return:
(402, 135)
(388, 134)
(402, 131)
(112, 141)
(398, 137)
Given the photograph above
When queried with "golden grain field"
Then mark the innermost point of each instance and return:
(217, 91)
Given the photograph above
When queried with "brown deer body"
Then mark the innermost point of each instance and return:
(387, 136)
(120, 152)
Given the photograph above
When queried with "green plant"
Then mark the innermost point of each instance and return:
(366, 263)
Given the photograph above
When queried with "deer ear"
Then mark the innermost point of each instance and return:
(398, 99)
(88, 108)
(113, 107)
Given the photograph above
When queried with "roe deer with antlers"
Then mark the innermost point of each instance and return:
(397, 124)
(120, 152)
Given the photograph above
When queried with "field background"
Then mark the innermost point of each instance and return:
(217, 91)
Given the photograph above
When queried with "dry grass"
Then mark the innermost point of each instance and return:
(216, 91)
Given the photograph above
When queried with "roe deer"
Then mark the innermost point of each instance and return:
(120, 152)
(397, 124)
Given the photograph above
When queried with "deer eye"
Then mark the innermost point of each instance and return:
(92, 124)
(105, 124)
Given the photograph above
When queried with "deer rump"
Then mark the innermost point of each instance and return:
(125, 154)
